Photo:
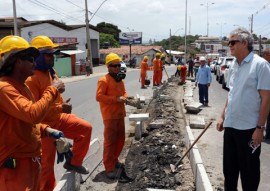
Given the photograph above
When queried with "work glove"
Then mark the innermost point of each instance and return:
(63, 148)
(56, 134)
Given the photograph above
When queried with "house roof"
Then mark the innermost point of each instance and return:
(9, 22)
(136, 49)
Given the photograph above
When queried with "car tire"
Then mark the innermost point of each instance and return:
(223, 84)
(217, 77)
(220, 79)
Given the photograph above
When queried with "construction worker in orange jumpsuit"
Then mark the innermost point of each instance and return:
(183, 73)
(156, 69)
(72, 126)
(111, 95)
(20, 116)
(161, 67)
(144, 68)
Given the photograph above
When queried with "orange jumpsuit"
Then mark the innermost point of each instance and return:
(183, 73)
(113, 114)
(20, 136)
(73, 128)
(144, 67)
(156, 68)
(160, 71)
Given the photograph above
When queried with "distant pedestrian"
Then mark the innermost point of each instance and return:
(196, 66)
(245, 112)
(161, 67)
(266, 56)
(190, 64)
(203, 80)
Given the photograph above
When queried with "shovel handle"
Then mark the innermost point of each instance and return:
(178, 162)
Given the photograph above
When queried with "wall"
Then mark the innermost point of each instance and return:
(50, 30)
(63, 66)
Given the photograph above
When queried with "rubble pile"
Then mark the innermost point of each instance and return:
(149, 159)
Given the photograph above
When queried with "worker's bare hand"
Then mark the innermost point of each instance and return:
(257, 136)
(121, 99)
(59, 85)
(220, 125)
(66, 106)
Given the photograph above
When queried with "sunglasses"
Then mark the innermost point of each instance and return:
(115, 65)
(27, 58)
(252, 145)
(233, 42)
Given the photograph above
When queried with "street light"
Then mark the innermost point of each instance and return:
(207, 6)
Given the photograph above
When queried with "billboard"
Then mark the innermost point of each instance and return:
(130, 37)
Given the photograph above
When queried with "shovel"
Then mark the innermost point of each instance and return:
(174, 167)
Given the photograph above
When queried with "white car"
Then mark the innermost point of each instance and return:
(226, 74)
(221, 68)
(123, 67)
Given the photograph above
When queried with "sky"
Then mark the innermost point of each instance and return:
(155, 19)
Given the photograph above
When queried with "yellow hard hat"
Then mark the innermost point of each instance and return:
(11, 45)
(158, 54)
(145, 57)
(112, 57)
(43, 42)
(162, 56)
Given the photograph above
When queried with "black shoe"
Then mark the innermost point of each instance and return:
(119, 165)
(124, 178)
(115, 174)
(78, 169)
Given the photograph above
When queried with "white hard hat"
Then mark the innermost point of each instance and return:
(202, 58)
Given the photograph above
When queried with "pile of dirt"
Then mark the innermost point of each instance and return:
(148, 160)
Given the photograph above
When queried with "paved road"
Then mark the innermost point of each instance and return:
(211, 144)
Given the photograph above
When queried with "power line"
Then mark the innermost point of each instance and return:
(264, 7)
(52, 9)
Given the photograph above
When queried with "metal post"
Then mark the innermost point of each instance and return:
(186, 34)
(207, 19)
(15, 18)
(130, 61)
(89, 64)
(170, 46)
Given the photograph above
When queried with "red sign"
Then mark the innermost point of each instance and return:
(64, 39)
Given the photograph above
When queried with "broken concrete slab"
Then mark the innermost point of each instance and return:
(156, 124)
(193, 108)
(139, 117)
(196, 122)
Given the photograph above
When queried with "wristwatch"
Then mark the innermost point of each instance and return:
(260, 127)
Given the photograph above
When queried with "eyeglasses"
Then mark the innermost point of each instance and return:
(233, 42)
(251, 144)
(27, 58)
(115, 65)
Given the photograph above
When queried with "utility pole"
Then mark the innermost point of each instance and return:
(15, 18)
(170, 46)
(89, 64)
(186, 34)
(251, 24)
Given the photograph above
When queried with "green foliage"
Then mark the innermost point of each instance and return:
(108, 28)
(108, 38)
(176, 42)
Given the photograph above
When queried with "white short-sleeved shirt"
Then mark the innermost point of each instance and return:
(244, 100)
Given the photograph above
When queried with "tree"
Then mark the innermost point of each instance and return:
(103, 38)
(108, 28)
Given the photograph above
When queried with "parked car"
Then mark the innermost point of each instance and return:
(123, 67)
(212, 65)
(225, 64)
(226, 74)
(219, 61)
